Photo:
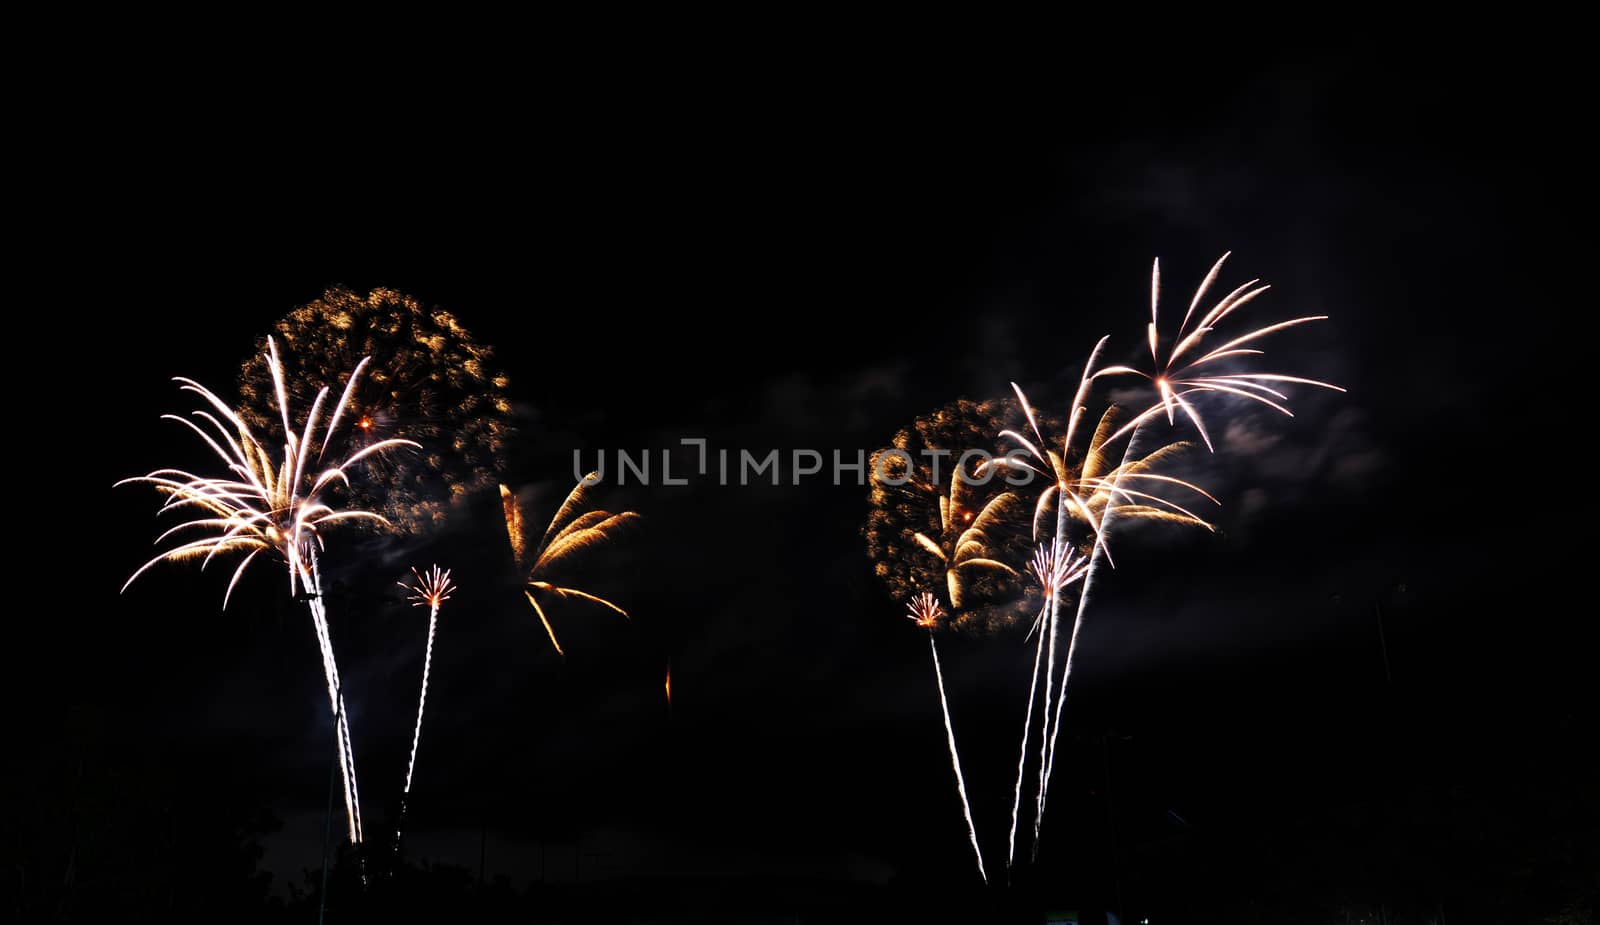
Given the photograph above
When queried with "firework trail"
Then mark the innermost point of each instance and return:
(436, 385)
(330, 669)
(430, 589)
(569, 533)
(1054, 567)
(924, 610)
(276, 504)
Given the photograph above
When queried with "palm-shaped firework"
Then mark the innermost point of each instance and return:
(429, 589)
(569, 533)
(275, 503)
(1189, 367)
(1084, 486)
(1129, 488)
(963, 542)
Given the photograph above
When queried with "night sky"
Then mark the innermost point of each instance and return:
(806, 267)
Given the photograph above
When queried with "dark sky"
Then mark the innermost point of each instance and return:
(800, 267)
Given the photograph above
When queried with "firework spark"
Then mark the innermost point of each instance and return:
(924, 610)
(279, 505)
(569, 533)
(435, 385)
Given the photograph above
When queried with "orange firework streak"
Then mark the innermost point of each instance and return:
(569, 533)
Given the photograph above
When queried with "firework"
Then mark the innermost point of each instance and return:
(1190, 366)
(513, 515)
(924, 610)
(275, 504)
(569, 533)
(1054, 567)
(1129, 489)
(939, 521)
(432, 383)
(936, 521)
(429, 589)
(923, 533)
(1083, 487)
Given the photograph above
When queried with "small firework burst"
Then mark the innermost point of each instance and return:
(924, 610)
(429, 381)
(1055, 566)
(428, 589)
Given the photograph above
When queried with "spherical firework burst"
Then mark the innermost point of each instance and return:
(428, 381)
(932, 527)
